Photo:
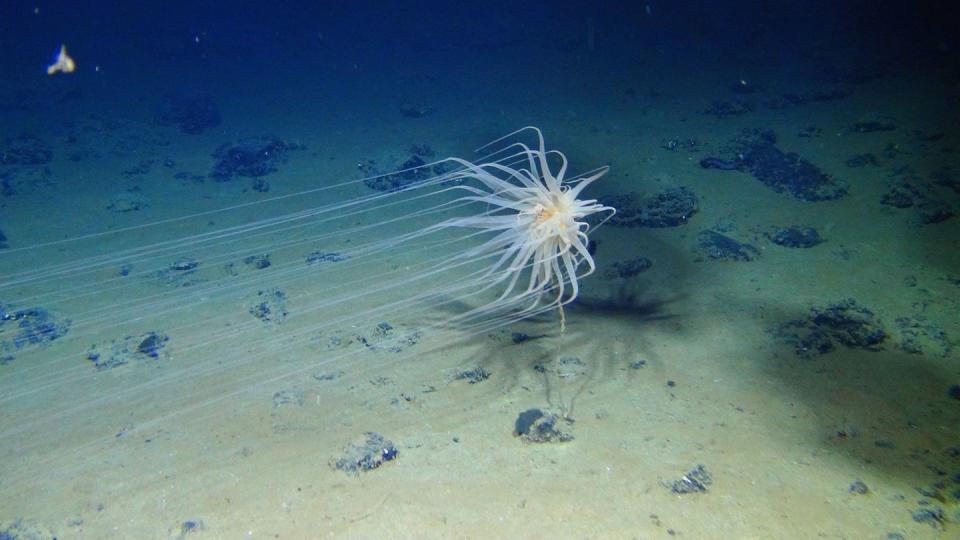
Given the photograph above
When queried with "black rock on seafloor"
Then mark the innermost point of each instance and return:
(252, 157)
(536, 426)
(628, 268)
(29, 327)
(756, 152)
(845, 323)
(367, 455)
(698, 480)
(795, 237)
(721, 247)
(669, 208)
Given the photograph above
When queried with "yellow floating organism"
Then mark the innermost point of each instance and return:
(63, 63)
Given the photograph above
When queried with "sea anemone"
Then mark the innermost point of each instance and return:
(538, 221)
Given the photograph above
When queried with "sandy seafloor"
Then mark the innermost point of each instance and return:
(783, 437)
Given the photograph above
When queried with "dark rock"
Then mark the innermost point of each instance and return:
(151, 343)
(755, 151)
(628, 268)
(319, 257)
(288, 397)
(906, 189)
(131, 200)
(698, 480)
(565, 367)
(25, 179)
(858, 488)
(934, 212)
(182, 272)
(519, 337)
(260, 185)
(525, 420)
(253, 157)
(570, 367)
(850, 324)
(270, 306)
(540, 428)
(918, 336)
(385, 337)
(373, 452)
(669, 208)
(688, 144)
(30, 327)
(185, 264)
(411, 171)
(20, 529)
(188, 527)
(845, 322)
(722, 164)
(931, 515)
(473, 376)
(328, 376)
(721, 247)
(784, 172)
(795, 237)
(127, 350)
(954, 391)
(901, 196)
(259, 262)
(3, 241)
(25, 149)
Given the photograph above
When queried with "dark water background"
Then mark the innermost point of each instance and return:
(202, 45)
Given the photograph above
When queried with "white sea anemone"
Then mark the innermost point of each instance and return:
(538, 221)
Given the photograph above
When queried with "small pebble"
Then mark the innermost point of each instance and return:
(859, 488)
